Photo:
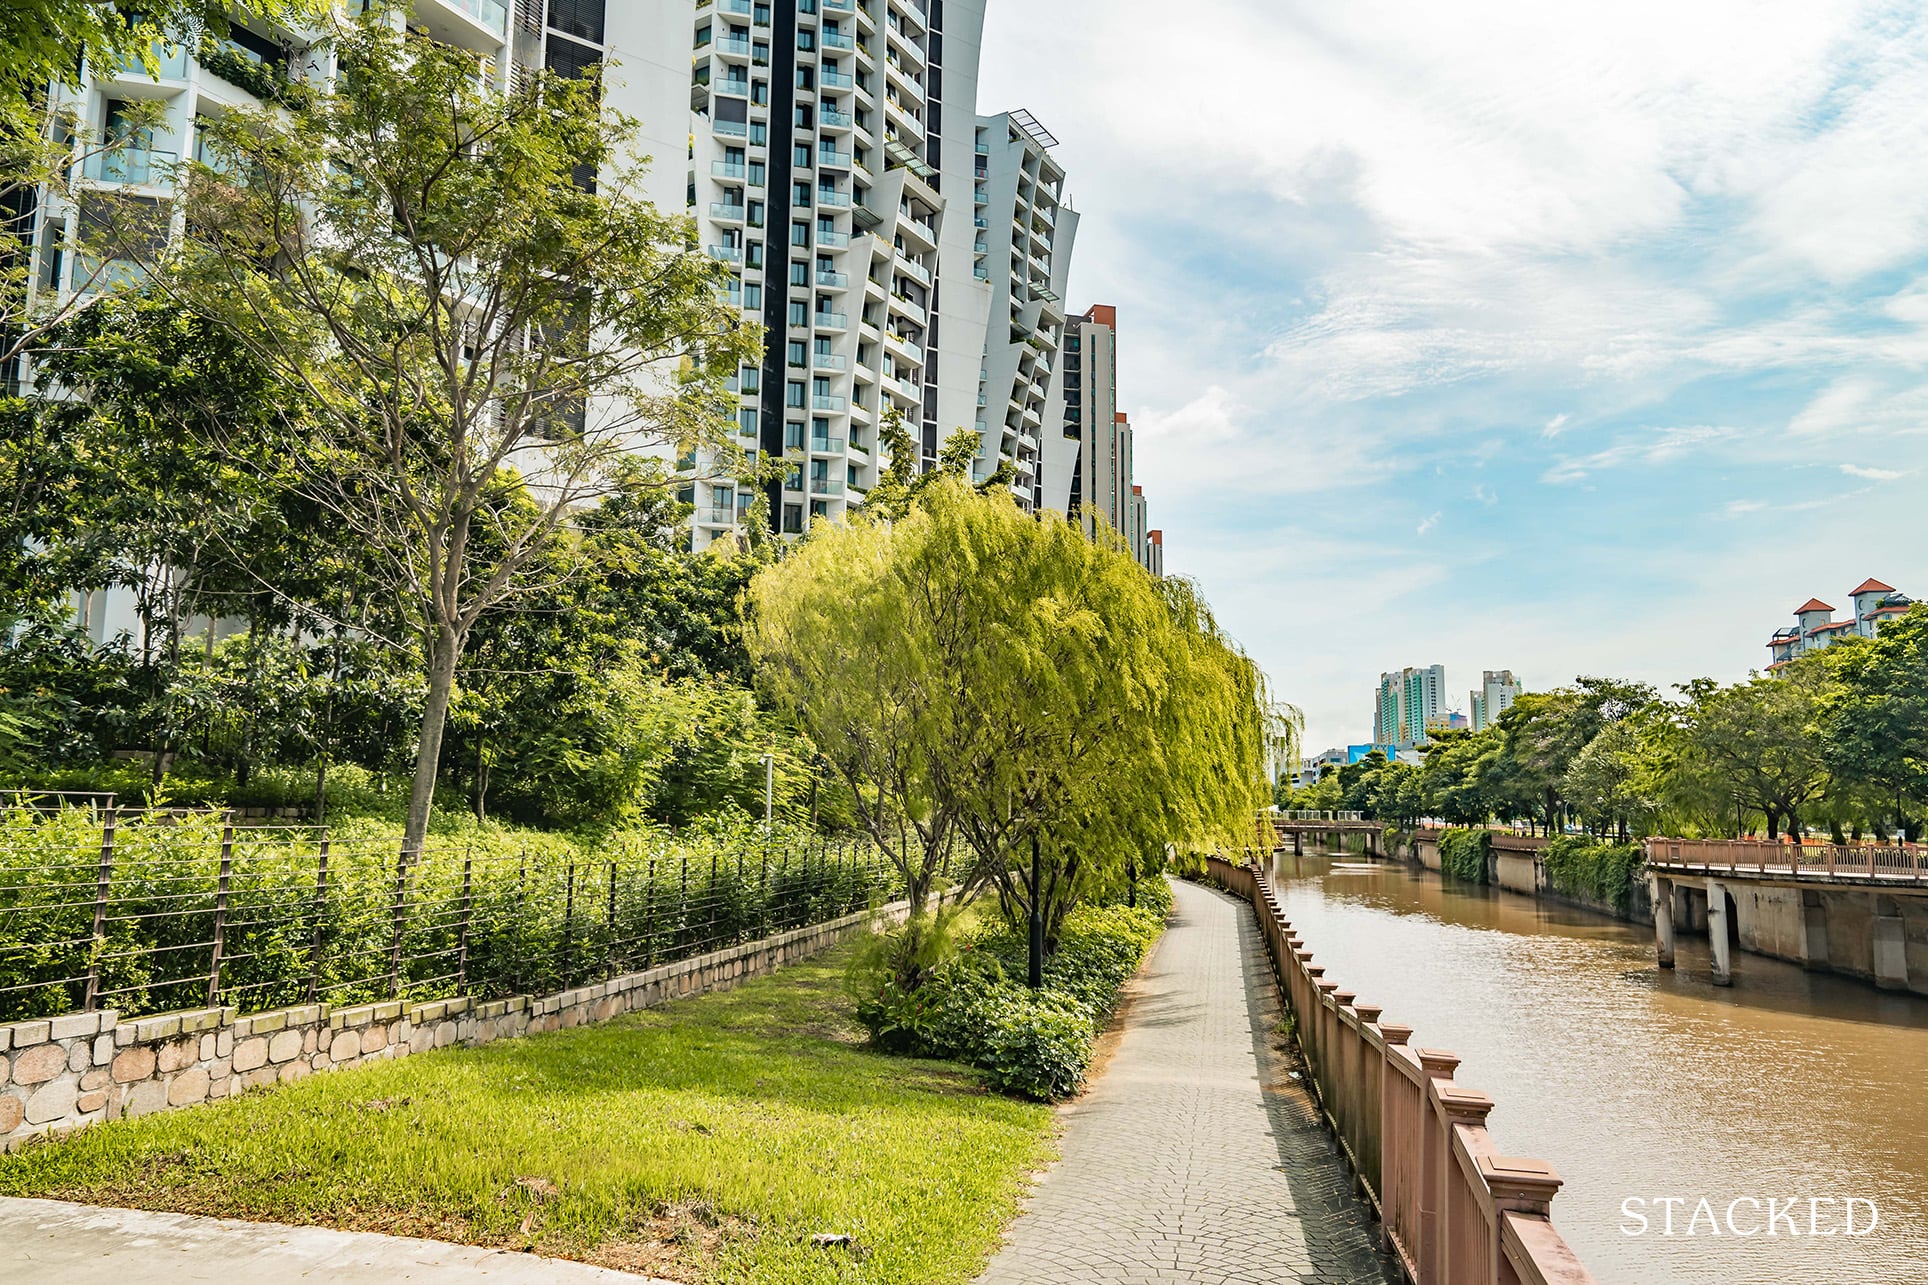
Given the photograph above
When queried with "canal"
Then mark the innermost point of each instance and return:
(1637, 1082)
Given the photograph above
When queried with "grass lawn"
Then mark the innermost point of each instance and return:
(705, 1141)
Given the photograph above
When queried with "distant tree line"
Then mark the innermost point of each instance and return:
(1835, 741)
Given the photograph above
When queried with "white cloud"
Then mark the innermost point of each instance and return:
(1427, 523)
(1486, 495)
(1657, 446)
(1554, 425)
(1872, 474)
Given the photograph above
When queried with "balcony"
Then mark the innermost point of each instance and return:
(832, 197)
(829, 361)
(832, 240)
(826, 486)
(839, 6)
(829, 402)
(727, 253)
(732, 128)
(170, 63)
(741, 87)
(836, 79)
(826, 446)
(831, 118)
(727, 212)
(838, 39)
(915, 270)
(741, 8)
(732, 46)
(833, 280)
(718, 515)
(830, 320)
(831, 156)
(147, 165)
(729, 169)
(490, 13)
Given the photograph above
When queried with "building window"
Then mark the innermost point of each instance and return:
(799, 234)
(793, 393)
(799, 313)
(793, 519)
(798, 354)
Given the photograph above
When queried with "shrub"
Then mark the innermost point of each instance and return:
(1594, 868)
(1462, 854)
(923, 993)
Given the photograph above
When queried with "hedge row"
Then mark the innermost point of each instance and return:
(922, 994)
(1594, 868)
(1463, 853)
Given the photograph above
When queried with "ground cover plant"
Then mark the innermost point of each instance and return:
(939, 988)
(706, 1141)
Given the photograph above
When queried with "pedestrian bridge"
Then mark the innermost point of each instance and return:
(1294, 825)
(1855, 909)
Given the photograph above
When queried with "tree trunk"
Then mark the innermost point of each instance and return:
(1773, 824)
(444, 651)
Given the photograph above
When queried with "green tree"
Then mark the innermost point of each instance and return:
(1874, 719)
(973, 673)
(416, 253)
(1759, 738)
(1608, 782)
(45, 41)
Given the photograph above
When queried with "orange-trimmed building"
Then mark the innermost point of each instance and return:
(1815, 627)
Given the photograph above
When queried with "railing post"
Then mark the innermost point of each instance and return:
(609, 925)
(221, 909)
(462, 941)
(569, 927)
(103, 876)
(395, 914)
(649, 917)
(320, 910)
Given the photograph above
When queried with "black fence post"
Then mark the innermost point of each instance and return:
(320, 911)
(221, 909)
(609, 928)
(569, 928)
(103, 876)
(396, 913)
(649, 917)
(468, 904)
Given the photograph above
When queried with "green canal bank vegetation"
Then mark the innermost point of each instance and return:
(708, 1141)
(1833, 743)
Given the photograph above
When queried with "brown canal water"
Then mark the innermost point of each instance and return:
(1640, 1083)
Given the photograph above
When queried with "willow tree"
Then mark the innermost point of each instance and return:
(978, 674)
(482, 336)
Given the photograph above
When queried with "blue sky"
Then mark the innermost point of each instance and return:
(1565, 338)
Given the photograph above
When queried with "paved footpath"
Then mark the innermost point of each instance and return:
(1177, 1164)
(50, 1240)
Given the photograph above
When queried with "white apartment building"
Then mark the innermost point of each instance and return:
(252, 66)
(1409, 703)
(823, 131)
(1089, 472)
(1815, 627)
(1497, 690)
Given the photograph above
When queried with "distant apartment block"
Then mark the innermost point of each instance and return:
(1097, 435)
(1814, 625)
(1497, 690)
(1408, 704)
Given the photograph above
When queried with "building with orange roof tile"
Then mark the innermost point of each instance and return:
(1815, 627)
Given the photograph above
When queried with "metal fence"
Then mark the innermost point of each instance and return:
(147, 912)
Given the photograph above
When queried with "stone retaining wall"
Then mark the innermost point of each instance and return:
(59, 1074)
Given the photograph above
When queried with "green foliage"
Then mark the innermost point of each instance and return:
(1596, 869)
(924, 991)
(1463, 853)
(543, 912)
(267, 81)
(723, 1130)
(44, 41)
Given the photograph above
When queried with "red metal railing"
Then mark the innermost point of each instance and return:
(1873, 863)
(1454, 1210)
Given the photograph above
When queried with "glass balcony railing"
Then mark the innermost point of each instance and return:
(170, 63)
(827, 445)
(838, 79)
(729, 169)
(133, 165)
(829, 361)
(727, 253)
(830, 320)
(492, 14)
(719, 515)
(831, 156)
(726, 211)
(839, 6)
(830, 196)
(732, 87)
(734, 128)
(738, 46)
(831, 118)
(834, 280)
(826, 486)
(831, 401)
(739, 7)
(838, 40)
(832, 240)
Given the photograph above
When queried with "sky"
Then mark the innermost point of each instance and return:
(1564, 338)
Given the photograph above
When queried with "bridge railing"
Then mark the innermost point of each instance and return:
(1873, 862)
(1303, 814)
(1454, 1210)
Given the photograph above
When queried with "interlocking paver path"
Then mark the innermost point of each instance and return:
(1180, 1164)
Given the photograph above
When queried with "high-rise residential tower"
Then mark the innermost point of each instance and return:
(1022, 249)
(1496, 693)
(1408, 705)
(823, 132)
